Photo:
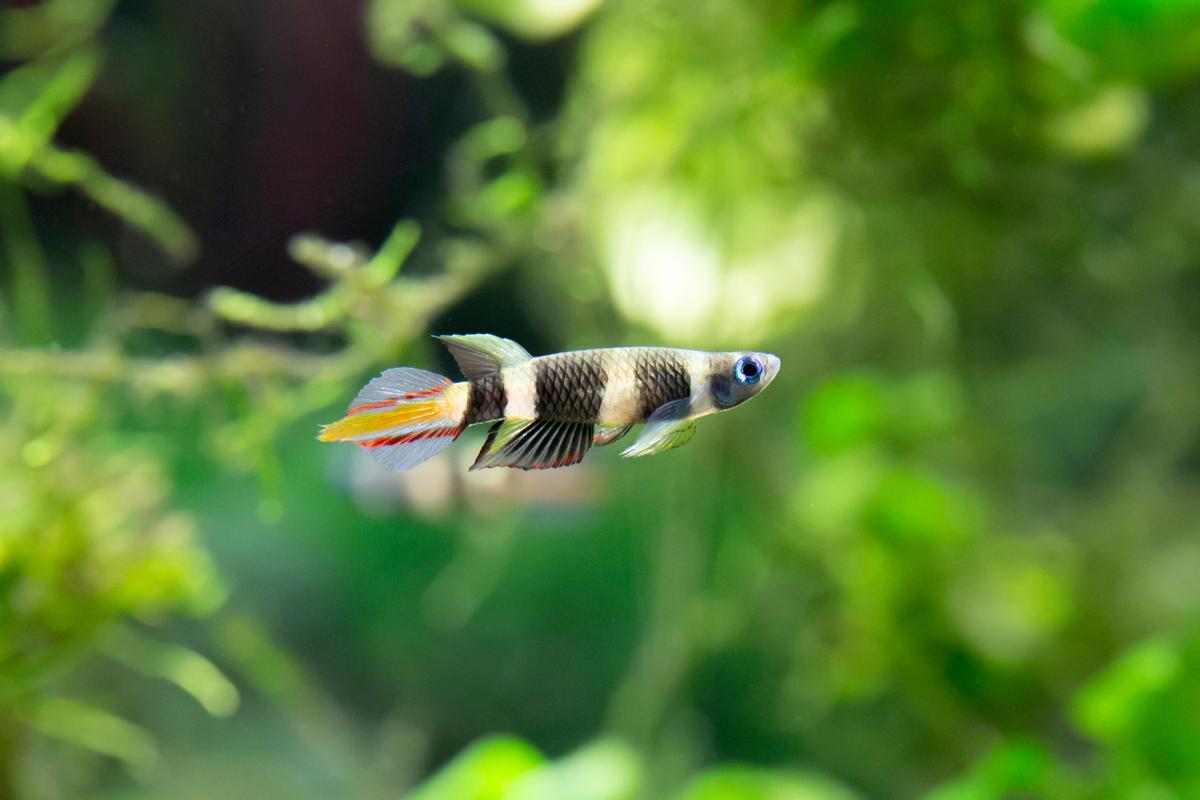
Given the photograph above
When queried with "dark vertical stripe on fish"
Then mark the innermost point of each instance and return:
(661, 377)
(570, 386)
(486, 400)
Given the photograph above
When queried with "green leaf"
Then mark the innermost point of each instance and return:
(474, 45)
(392, 254)
(495, 137)
(604, 770)
(534, 19)
(1108, 706)
(747, 783)
(27, 263)
(1106, 125)
(35, 99)
(1018, 768)
(62, 93)
(398, 33)
(1132, 39)
(485, 771)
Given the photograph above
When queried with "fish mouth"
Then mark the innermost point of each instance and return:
(771, 364)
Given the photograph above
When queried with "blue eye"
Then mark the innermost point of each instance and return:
(747, 370)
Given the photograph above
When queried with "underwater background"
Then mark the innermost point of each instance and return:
(952, 553)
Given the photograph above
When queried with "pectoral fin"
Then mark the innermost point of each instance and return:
(607, 434)
(668, 427)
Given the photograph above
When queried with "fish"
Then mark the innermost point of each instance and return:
(547, 411)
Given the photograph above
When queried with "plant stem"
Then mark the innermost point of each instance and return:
(31, 295)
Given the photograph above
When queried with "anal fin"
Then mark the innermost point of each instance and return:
(534, 444)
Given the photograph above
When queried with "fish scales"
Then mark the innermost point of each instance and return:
(487, 399)
(570, 386)
(662, 375)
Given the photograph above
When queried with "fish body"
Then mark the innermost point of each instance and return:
(547, 411)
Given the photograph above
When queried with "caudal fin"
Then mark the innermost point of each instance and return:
(403, 417)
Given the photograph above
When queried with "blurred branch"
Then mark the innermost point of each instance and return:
(65, 88)
(177, 375)
(50, 27)
(94, 729)
(422, 37)
(28, 156)
(455, 594)
(273, 672)
(161, 312)
(187, 669)
(55, 89)
(671, 641)
(372, 310)
(354, 280)
(31, 295)
(133, 206)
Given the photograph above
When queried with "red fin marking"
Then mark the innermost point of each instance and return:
(391, 401)
(567, 460)
(425, 393)
(372, 406)
(388, 441)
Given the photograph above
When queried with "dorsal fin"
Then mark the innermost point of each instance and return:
(481, 354)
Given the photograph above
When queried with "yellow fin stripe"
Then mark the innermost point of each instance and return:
(365, 424)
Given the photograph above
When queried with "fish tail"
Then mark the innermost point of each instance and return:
(402, 418)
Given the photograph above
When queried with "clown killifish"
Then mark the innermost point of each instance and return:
(546, 412)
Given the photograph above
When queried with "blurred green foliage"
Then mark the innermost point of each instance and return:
(951, 554)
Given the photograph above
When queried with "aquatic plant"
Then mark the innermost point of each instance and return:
(952, 553)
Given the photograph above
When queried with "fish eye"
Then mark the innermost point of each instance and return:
(747, 370)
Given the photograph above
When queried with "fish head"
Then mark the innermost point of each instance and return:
(736, 377)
